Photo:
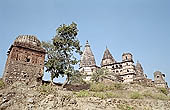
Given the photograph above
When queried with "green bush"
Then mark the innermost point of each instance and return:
(112, 95)
(136, 95)
(100, 95)
(160, 96)
(101, 87)
(125, 107)
(163, 90)
(83, 93)
(2, 85)
(97, 87)
(148, 94)
(46, 89)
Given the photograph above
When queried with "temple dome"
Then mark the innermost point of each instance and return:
(27, 39)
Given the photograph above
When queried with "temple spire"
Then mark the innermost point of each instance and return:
(87, 58)
(107, 58)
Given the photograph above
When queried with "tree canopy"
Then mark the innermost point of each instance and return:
(61, 51)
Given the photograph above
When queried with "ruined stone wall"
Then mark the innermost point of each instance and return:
(24, 64)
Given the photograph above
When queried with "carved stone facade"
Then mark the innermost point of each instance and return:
(25, 61)
(125, 68)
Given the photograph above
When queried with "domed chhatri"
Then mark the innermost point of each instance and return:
(25, 60)
(27, 39)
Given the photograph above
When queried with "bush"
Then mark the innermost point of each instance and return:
(46, 89)
(101, 87)
(136, 95)
(83, 94)
(160, 96)
(98, 87)
(148, 94)
(163, 90)
(2, 85)
(125, 107)
(100, 95)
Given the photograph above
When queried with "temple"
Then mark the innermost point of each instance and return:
(123, 71)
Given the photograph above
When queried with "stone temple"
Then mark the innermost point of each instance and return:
(25, 61)
(125, 70)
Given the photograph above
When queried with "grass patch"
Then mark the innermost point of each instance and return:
(101, 87)
(136, 95)
(102, 95)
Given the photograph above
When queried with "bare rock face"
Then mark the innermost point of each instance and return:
(25, 61)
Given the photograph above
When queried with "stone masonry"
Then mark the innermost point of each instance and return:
(25, 61)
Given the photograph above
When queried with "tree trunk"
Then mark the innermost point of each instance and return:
(66, 81)
(52, 83)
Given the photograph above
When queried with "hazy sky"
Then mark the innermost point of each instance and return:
(141, 27)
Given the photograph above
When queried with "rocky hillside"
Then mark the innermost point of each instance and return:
(20, 96)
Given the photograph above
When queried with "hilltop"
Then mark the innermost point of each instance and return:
(93, 96)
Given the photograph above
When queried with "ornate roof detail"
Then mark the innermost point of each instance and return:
(87, 58)
(28, 39)
(107, 56)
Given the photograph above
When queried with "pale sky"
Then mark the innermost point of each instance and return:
(141, 27)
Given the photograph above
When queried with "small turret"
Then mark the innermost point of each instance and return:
(159, 79)
(127, 57)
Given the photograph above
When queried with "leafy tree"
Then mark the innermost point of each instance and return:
(60, 52)
(99, 74)
(77, 78)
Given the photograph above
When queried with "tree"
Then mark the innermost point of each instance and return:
(99, 74)
(60, 58)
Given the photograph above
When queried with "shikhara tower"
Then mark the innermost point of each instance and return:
(87, 62)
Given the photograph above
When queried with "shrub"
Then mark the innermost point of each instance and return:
(136, 95)
(125, 107)
(163, 90)
(46, 89)
(148, 94)
(112, 95)
(101, 95)
(98, 87)
(160, 96)
(101, 87)
(2, 85)
(83, 94)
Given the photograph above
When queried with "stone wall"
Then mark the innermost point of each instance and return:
(24, 64)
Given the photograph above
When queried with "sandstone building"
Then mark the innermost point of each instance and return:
(125, 71)
(25, 60)
(87, 62)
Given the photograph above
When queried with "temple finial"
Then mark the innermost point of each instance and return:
(87, 44)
